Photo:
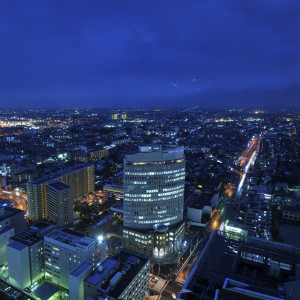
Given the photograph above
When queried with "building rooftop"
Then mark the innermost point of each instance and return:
(154, 153)
(126, 264)
(70, 237)
(58, 185)
(48, 178)
(106, 266)
(81, 268)
(201, 200)
(40, 225)
(137, 262)
(5, 229)
(46, 291)
(7, 212)
(113, 186)
(235, 224)
(264, 266)
(32, 234)
(17, 245)
(102, 222)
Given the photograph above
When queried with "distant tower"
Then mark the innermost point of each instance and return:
(265, 147)
(124, 116)
(154, 197)
(114, 116)
(60, 203)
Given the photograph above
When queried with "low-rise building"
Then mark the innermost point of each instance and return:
(101, 227)
(12, 217)
(76, 280)
(290, 213)
(125, 276)
(117, 190)
(200, 204)
(235, 229)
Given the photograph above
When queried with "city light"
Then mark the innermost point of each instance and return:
(100, 238)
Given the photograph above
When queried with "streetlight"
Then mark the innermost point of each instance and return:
(100, 238)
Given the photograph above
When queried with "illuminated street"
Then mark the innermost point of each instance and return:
(99, 196)
(223, 212)
(17, 197)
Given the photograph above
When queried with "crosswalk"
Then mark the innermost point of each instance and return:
(159, 285)
(180, 280)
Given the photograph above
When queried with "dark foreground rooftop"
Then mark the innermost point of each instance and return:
(128, 263)
(255, 266)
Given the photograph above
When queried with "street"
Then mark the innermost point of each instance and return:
(17, 197)
(223, 212)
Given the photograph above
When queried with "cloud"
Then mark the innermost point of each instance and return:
(127, 52)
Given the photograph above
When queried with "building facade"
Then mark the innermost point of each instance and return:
(5, 234)
(154, 187)
(157, 243)
(60, 203)
(81, 178)
(153, 199)
(65, 249)
(25, 255)
(12, 221)
(12, 217)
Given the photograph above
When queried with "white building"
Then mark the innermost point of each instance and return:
(76, 279)
(5, 234)
(25, 255)
(201, 203)
(65, 249)
(11, 221)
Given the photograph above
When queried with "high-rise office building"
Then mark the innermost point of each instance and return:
(153, 200)
(81, 178)
(60, 203)
(65, 249)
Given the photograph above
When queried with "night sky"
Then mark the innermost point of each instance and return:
(106, 53)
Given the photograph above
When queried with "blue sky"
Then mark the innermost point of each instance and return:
(211, 53)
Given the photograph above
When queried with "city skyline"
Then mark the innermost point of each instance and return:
(130, 203)
(153, 54)
(149, 150)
